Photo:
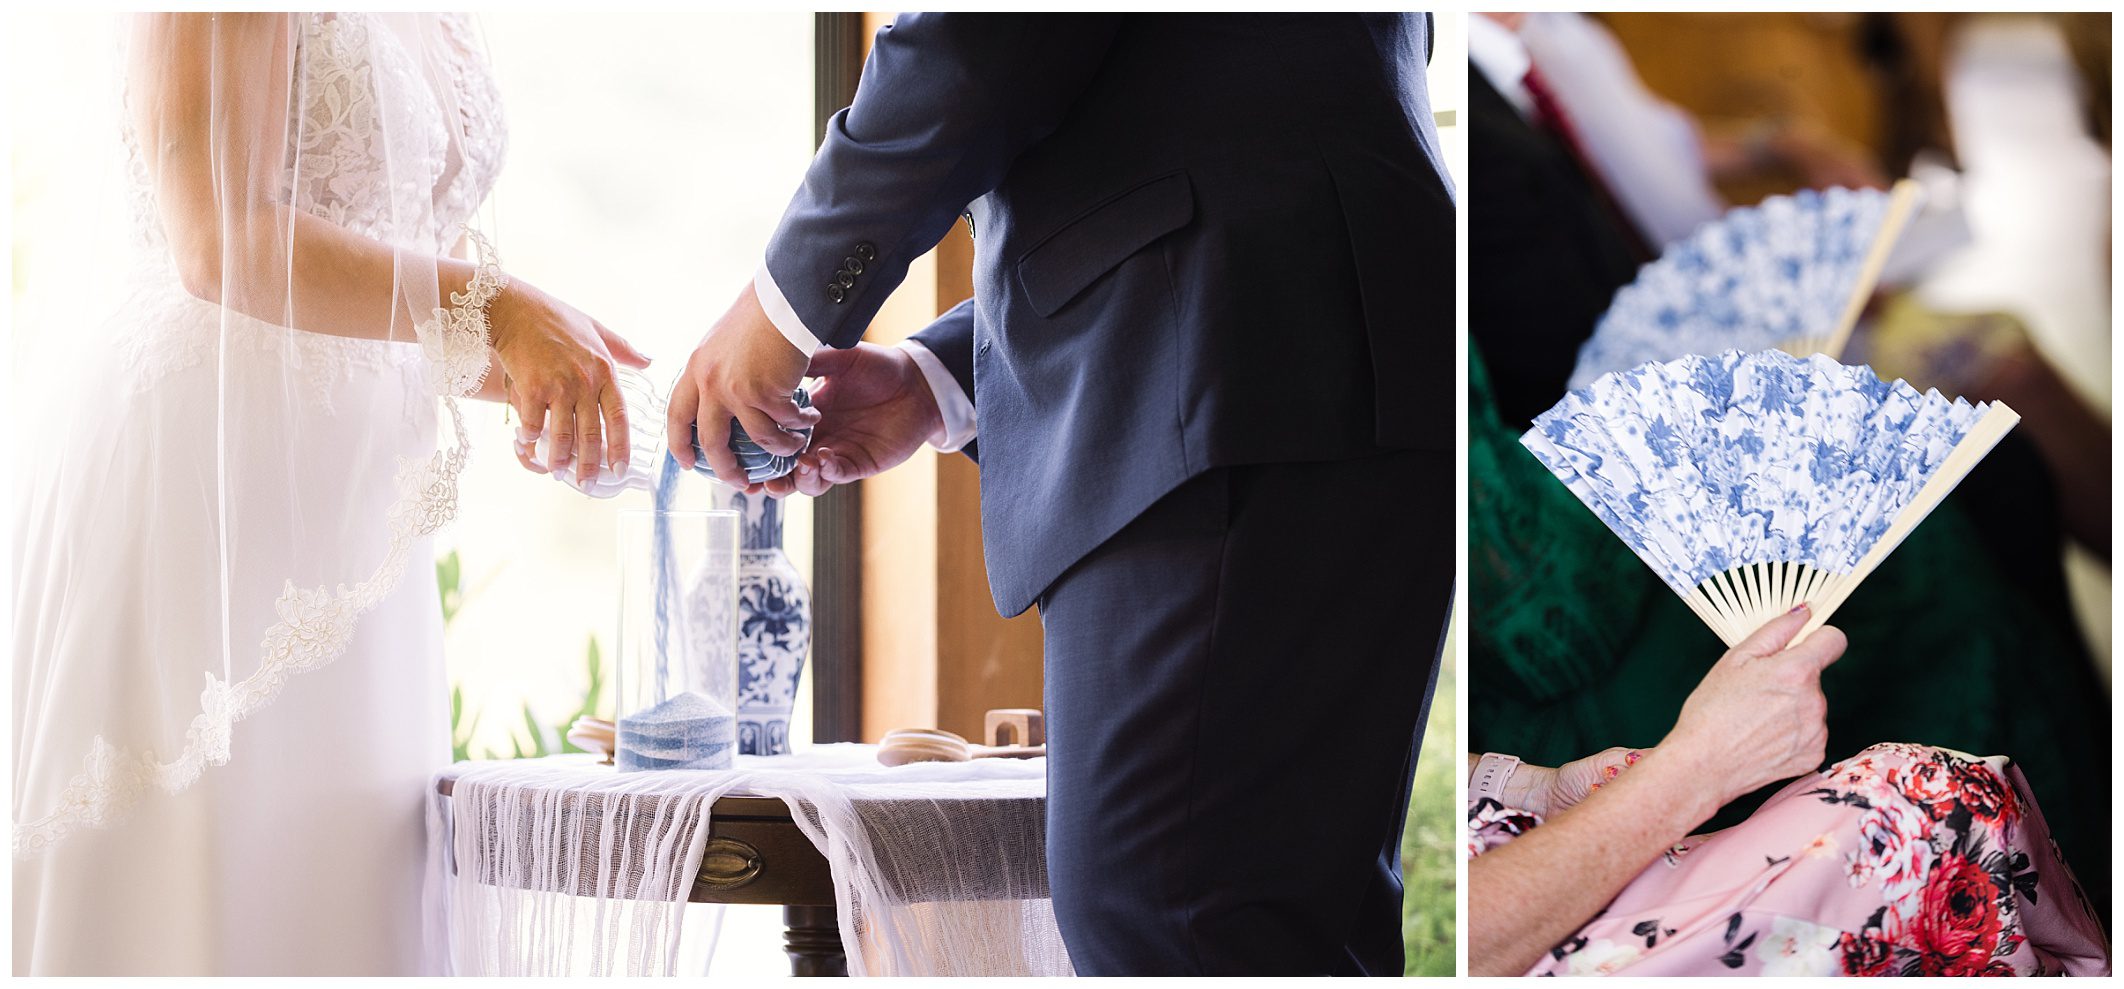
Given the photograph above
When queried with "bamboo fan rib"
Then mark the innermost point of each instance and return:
(1902, 203)
(1752, 483)
(1792, 273)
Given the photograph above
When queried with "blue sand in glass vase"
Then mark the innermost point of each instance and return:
(666, 487)
(686, 731)
(683, 732)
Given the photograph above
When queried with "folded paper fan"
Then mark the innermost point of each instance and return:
(1752, 483)
(1791, 273)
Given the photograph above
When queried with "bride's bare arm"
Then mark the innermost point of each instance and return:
(208, 100)
(1757, 717)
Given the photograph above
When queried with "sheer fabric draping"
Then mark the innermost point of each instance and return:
(234, 469)
(564, 867)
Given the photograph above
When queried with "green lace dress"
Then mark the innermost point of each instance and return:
(1574, 646)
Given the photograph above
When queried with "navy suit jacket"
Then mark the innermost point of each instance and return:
(1199, 241)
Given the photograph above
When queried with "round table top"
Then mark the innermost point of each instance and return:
(852, 765)
(1008, 797)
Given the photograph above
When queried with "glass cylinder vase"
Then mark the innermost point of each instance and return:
(676, 688)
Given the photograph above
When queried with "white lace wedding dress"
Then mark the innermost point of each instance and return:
(232, 504)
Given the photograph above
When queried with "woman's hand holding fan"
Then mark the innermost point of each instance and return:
(1759, 716)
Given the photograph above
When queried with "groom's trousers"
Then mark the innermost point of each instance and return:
(1236, 686)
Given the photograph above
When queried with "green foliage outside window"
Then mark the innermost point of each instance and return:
(534, 736)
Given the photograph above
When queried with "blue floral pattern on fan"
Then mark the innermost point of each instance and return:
(1704, 464)
(1774, 275)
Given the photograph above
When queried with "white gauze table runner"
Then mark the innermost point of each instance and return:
(561, 866)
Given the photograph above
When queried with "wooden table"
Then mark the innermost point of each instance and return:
(756, 854)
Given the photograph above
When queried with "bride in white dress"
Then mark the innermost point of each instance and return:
(228, 689)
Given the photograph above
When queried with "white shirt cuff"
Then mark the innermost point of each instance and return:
(952, 403)
(780, 314)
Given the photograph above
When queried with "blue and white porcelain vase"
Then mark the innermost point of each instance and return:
(774, 625)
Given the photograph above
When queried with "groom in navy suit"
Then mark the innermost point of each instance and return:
(1209, 363)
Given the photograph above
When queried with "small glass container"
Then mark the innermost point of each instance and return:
(676, 686)
(644, 401)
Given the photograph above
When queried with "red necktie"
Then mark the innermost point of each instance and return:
(1550, 116)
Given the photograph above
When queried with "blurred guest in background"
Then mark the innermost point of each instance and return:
(1665, 168)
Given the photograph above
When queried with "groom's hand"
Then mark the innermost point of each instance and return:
(875, 409)
(745, 368)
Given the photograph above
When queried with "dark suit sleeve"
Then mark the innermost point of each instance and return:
(946, 102)
(951, 338)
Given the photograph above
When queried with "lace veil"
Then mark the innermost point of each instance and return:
(237, 455)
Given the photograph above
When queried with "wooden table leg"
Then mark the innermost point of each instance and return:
(813, 941)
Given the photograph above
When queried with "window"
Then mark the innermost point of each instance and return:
(641, 184)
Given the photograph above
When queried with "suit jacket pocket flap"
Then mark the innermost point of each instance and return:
(1072, 258)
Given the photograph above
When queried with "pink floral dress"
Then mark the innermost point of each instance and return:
(1901, 860)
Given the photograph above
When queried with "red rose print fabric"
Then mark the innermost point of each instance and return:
(1901, 860)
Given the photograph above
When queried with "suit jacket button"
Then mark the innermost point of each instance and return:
(835, 292)
(844, 278)
(853, 266)
(866, 252)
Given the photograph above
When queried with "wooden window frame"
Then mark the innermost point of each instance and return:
(837, 516)
(905, 633)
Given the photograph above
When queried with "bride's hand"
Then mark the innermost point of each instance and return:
(1759, 716)
(559, 367)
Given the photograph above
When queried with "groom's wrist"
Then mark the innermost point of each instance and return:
(779, 312)
(955, 425)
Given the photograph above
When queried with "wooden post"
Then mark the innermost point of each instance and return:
(837, 517)
(813, 942)
(935, 653)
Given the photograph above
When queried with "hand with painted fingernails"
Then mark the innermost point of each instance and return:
(558, 371)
